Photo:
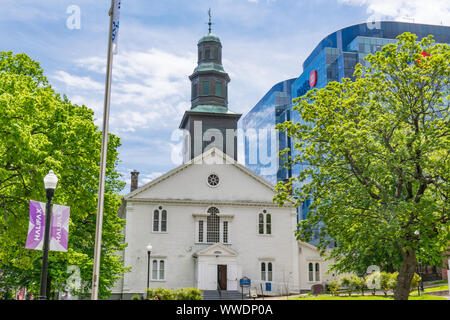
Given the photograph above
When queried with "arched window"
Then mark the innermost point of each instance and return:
(213, 225)
(161, 269)
(311, 272)
(261, 223)
(155, 270)
(158, 269)
(269, 271)
(266, 271)
(264, 223)
(156, 220)
(160, 220)
(317, 272)
(163, 221)
(268, 223)
(263, 271)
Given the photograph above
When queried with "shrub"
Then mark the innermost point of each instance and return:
(136, 297)
(393, 282)
(346, 283)
(333, 287)
(188, 294)
(386, 282)
(165, 294)
(371, 281)
(415, 281)
(359, 283)
(179, 294)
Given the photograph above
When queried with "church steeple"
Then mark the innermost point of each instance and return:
(209, 81)
(209, 122)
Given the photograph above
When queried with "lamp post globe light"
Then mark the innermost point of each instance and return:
(50, 182)
(149, 251)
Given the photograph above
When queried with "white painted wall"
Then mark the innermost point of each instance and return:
(240, 195)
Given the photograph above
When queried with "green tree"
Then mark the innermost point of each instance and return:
(40, 130)
(378, 155)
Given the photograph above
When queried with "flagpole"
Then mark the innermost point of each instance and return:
(101, 186)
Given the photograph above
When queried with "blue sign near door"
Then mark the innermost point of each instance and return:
(268, 286)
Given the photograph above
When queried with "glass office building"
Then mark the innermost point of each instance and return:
(261, 142)
(334, 58)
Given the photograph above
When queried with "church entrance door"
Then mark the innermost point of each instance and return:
(222, 276)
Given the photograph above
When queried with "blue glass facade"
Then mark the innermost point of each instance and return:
(334, 58)
(261, 142)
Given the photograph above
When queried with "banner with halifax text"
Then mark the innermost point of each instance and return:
(59, 230)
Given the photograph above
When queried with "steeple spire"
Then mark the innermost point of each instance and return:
(209, 23)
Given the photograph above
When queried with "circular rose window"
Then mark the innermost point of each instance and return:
(213, 180)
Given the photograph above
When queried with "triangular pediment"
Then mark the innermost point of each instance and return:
(217, 249)
(188, 182)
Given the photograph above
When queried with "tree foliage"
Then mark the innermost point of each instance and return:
(39, 131)
(377, 155)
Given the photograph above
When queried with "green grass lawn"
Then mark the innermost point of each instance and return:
(440, 288)
(366, 297)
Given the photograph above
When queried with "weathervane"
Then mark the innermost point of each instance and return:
(209, 23)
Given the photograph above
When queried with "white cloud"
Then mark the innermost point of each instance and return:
(77, 82)
(149, 87)
(418, 11)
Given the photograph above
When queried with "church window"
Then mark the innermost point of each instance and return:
(213, 180)
(163, 221)
(266, 271)
(219, 89)
(155, 270)
(268, 223)
(213, 226)
(264, 223)
(200, 54)
(205, 88)
(156, 220)
(261, 223)
(263, 271)
(317, 272)
(225, 232)
(269, 271)
(314, 271)
(200, 231)
(207, 53)
(161, 270)
(160, 220)
(216, 53)
(158, 269)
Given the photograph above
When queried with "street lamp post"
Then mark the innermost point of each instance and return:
(149, 251)
(50, 182)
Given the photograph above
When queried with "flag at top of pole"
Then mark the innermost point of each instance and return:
(112, 49)
(115, 26)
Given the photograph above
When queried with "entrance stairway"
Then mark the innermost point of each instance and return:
(223, 295)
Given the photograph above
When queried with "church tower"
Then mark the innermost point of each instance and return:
(209, 123)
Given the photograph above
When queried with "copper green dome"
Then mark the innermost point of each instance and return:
(209, 37)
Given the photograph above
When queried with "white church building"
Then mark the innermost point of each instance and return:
(211, 221)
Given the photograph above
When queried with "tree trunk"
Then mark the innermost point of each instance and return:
(405, 275)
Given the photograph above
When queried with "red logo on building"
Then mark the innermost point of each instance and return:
(313, 78)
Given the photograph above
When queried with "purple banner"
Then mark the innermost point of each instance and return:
(59, 230)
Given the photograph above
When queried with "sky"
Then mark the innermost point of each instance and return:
(264, 42)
